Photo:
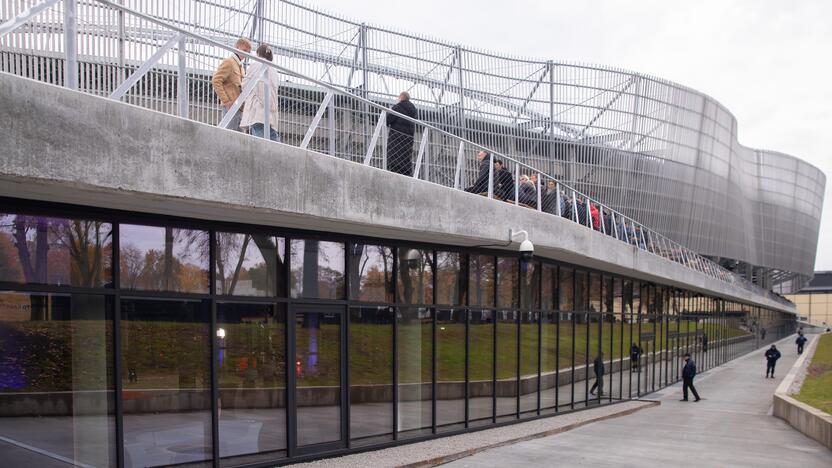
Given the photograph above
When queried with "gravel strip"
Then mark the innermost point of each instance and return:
(446, 449)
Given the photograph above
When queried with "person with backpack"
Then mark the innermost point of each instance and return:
(688, 373)
(772, 355)
(801, 340)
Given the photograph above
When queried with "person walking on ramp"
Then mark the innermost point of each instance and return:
(598, 367)
(801, 340)
(772, 355)
(688, 373)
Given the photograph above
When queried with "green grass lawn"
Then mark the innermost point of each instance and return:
(817, 388)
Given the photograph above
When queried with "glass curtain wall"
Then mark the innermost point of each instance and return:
(153, 344)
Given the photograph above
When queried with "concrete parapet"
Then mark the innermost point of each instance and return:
(807, 419)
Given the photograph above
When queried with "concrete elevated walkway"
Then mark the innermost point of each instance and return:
(68, 147)
(732, 426)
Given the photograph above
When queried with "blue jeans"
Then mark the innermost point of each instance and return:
(258, 131)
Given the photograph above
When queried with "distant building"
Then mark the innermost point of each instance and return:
(814, 302)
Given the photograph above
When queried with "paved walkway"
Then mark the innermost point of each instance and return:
(732, 426)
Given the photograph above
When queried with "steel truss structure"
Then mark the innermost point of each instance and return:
(643, 148)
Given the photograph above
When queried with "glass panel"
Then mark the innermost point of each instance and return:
(507, 281)
(251, 366)
(249, 264)
(507, 362)
(415, 280)
(481, 366)
(318, 377)
(414, 356)
(529, 344)
(548, 286)
(566, 289)
(548, 356)
(450, 362)
(371, 273)
(531, 285)
(481, 280)
(42, 250)
(163, 259)
(566, 360)
(317, 269)
(451, 286)
(371, 374)
(56, 380)
(166, 381)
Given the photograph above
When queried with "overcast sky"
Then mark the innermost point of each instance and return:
(768, 62)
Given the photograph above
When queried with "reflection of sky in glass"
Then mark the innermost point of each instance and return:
(188, 246)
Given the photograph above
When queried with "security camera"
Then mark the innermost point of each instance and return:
(526, 247)
(526, 250)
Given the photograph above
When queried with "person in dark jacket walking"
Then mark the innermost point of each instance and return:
(598, 367)
(688, 373)
(400, 138)
(503, 182)
(635, 355)
(481, 184)
(704, 343)
(801, 340)
(772, 355)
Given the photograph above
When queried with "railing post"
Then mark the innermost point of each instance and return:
(331, 120)
(588, 213)
(614, 225)
(490, 175)
(372, 146)
(317, 120)
(516, 183)
(458, 171)
(422, 146)
(539, 195)
(575, 216)
(70, 45)
(267, 104)
(557, 198)
(601, 218)
(182, 80)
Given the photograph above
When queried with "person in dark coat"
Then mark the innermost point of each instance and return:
(635, 354)
(772, 355)
(801, 340)
(481, 184)
(688, 373)
(528, 192)
(598, 367)
(763, 333)
(400, 137)
(503, 182)
(704, 343)
(549, 198)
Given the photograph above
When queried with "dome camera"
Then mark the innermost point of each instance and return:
(526, 250)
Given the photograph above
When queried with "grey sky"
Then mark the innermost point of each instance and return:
(766, 61)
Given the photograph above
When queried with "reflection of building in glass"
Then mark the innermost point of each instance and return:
(814, 301)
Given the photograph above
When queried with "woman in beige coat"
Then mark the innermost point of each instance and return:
(253, 113)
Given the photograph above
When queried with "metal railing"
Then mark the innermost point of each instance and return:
(146, 60)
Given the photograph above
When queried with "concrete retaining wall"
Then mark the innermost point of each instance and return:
(809, 420)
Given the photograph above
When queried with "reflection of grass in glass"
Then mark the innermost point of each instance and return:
(326, 355)
(165, 355)
(371, 347)
(60, 355)
(253, 355)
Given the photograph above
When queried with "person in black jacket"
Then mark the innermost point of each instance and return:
(704, 343)
(772, 355)
(481, 185)
(400, 137)
(688, 373)
(635, 354)
(598, 367)
(503, 182)
(801, 340)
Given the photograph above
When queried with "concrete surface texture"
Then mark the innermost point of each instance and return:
(731, 426)
(104, 153)
(807, 419)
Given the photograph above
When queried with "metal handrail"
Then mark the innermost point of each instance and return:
(643, 235)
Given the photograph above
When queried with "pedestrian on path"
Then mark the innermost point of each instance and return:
(598, 367)
(801, 340)
(635, 357)
(772, 355)
(688, 373)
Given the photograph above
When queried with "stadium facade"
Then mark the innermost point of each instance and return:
(176, 293)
